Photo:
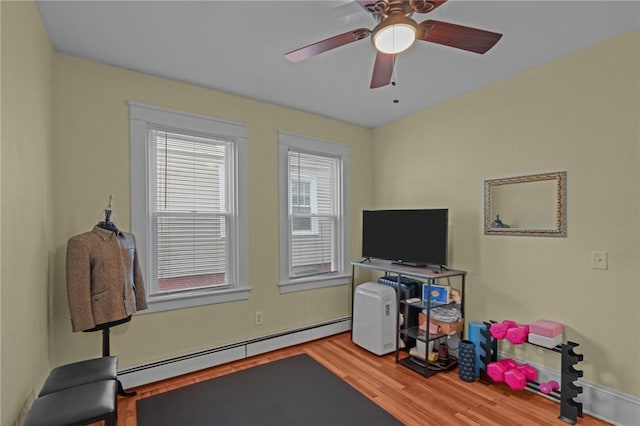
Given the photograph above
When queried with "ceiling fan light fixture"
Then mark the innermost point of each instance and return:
(394, 35)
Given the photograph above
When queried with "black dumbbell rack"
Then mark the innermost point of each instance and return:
(489, 354)
(570, 409)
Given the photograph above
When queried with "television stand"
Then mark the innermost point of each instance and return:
(435, 268)
(409, 329)
(412, 264)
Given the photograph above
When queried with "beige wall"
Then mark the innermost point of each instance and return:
(26, 205)
(579, 114)
(91, 132)
(0, 213)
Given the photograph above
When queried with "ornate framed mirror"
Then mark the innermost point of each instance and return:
(532, 205)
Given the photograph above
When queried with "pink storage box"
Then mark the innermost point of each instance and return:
(546, 328)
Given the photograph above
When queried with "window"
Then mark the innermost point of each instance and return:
(313, 212)
(304, 203)
(188, 193)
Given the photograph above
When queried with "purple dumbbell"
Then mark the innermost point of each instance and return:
(548, 387)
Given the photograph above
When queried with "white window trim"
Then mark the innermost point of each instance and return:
(288, 141)
(141, 117)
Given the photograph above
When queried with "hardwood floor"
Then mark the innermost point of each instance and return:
(442, 399)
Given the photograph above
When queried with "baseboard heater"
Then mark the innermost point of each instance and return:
(160, 370)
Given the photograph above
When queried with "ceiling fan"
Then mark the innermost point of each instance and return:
(396, 31)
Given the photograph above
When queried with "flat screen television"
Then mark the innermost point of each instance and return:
(410, 237)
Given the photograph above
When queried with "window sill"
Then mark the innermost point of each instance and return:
(171, 302)
(310, 283)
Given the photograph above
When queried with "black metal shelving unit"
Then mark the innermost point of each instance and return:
(428, 276)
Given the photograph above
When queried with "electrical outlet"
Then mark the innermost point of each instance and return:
(599, 260)
(257, 318)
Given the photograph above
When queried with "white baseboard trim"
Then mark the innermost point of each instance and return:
(607, 404)
(173, 367)
(598, 401)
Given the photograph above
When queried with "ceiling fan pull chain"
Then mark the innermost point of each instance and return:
(394, 74)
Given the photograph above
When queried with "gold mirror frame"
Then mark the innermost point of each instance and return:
(490, 217)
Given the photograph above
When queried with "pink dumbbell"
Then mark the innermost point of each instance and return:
(499, 329)
(508, 363)
(528, 371)
(515, 379)
(496, 371)
(548, 387)
(518, 335)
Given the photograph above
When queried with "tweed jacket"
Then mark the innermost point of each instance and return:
(104, 280)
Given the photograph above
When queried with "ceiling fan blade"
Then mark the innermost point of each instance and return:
(458, 36)
(382, 70)
(328, 44)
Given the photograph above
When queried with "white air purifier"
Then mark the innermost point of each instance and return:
(375, 313)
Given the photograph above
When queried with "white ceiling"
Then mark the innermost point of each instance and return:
(238, 46)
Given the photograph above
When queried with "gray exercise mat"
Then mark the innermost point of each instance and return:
(292, 391)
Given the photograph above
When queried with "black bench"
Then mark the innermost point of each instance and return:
(80, 393)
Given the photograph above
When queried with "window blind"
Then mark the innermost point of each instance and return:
(191, 219)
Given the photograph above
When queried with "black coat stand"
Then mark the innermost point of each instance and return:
(106, 327)
(106, 346)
